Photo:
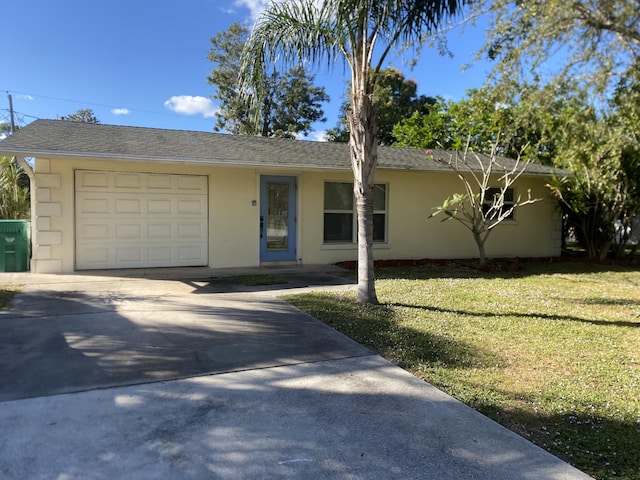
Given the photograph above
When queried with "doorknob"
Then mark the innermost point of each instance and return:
(261, 225)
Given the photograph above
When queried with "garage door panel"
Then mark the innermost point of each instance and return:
(159, 182)
(160, 231)
(95, 232)
(140, 220)
(160, 254)
(127, 180)
(128, 206)
(190, 231)
(128, 255)
(128, 232)
(159, 207)
(190, 207)
(94, 205)
(189, 254)
(93, 256)
(192, 183)
(94, 179)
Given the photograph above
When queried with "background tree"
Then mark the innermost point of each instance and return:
(601, 199)
(477, 121)
(596, 41)
(14, 193)
(433, 129)
(225, 54)
(626, 121)
(472, 121)
(5, 129)
(82, 115)
(488, 198)
(394, 98)
(290, 104)
(596, 44)
(593, 46)
(361, 33)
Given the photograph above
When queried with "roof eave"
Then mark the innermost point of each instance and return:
(145, 158)
(24, 152)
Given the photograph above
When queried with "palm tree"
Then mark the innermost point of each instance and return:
(360, 33)
(14, 194)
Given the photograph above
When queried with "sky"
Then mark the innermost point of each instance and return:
(144, 62)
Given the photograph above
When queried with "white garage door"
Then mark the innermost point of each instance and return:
(135, 220)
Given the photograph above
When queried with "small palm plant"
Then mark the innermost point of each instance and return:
(14, 194)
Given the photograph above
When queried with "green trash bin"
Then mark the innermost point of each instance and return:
(15, 245)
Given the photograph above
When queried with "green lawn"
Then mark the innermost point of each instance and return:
(551, 351)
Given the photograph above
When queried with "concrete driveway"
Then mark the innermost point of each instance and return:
(196, 377)
(76, 333)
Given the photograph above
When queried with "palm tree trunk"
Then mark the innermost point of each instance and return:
(363, 143)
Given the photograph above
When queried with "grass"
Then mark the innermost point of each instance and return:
(551, 351)
(6, 296)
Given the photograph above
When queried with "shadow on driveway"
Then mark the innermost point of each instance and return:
(66, 341)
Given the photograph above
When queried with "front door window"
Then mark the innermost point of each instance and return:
(277, 218)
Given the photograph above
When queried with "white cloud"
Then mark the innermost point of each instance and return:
(121, 111)
(315, 136)
(319, 136)
(256, 7)
(190, 105)
(25, 97)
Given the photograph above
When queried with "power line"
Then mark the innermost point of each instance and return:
(19, 117)
(59, 99)
(31, 96)
(21, 114)
(94, 104)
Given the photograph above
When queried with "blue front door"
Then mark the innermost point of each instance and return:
(277, 218)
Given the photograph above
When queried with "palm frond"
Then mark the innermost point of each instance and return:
(327, 32)
(14, 198)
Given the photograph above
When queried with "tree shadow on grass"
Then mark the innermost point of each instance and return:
(503, 269)
(544, 316)
(377, 327)
(603, 446)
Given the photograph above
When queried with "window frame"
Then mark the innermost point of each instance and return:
(353, 212)
(488, 202)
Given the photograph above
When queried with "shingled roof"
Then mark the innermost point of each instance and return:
(57, 138)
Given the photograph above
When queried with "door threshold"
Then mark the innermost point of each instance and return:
(278, 263)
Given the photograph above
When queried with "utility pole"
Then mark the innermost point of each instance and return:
(13, 122)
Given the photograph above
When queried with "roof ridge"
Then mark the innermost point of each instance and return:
(60, 138)
(111, 125)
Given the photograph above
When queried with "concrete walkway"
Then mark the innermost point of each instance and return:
(196, 377)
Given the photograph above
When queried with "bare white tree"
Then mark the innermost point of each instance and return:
(488, 197)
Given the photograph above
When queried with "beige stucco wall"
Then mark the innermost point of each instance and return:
(234, 203)
(536, 231)
(233, 224)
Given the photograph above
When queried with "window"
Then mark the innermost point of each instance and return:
(339, 216)
(490, 198)
(340, 219)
